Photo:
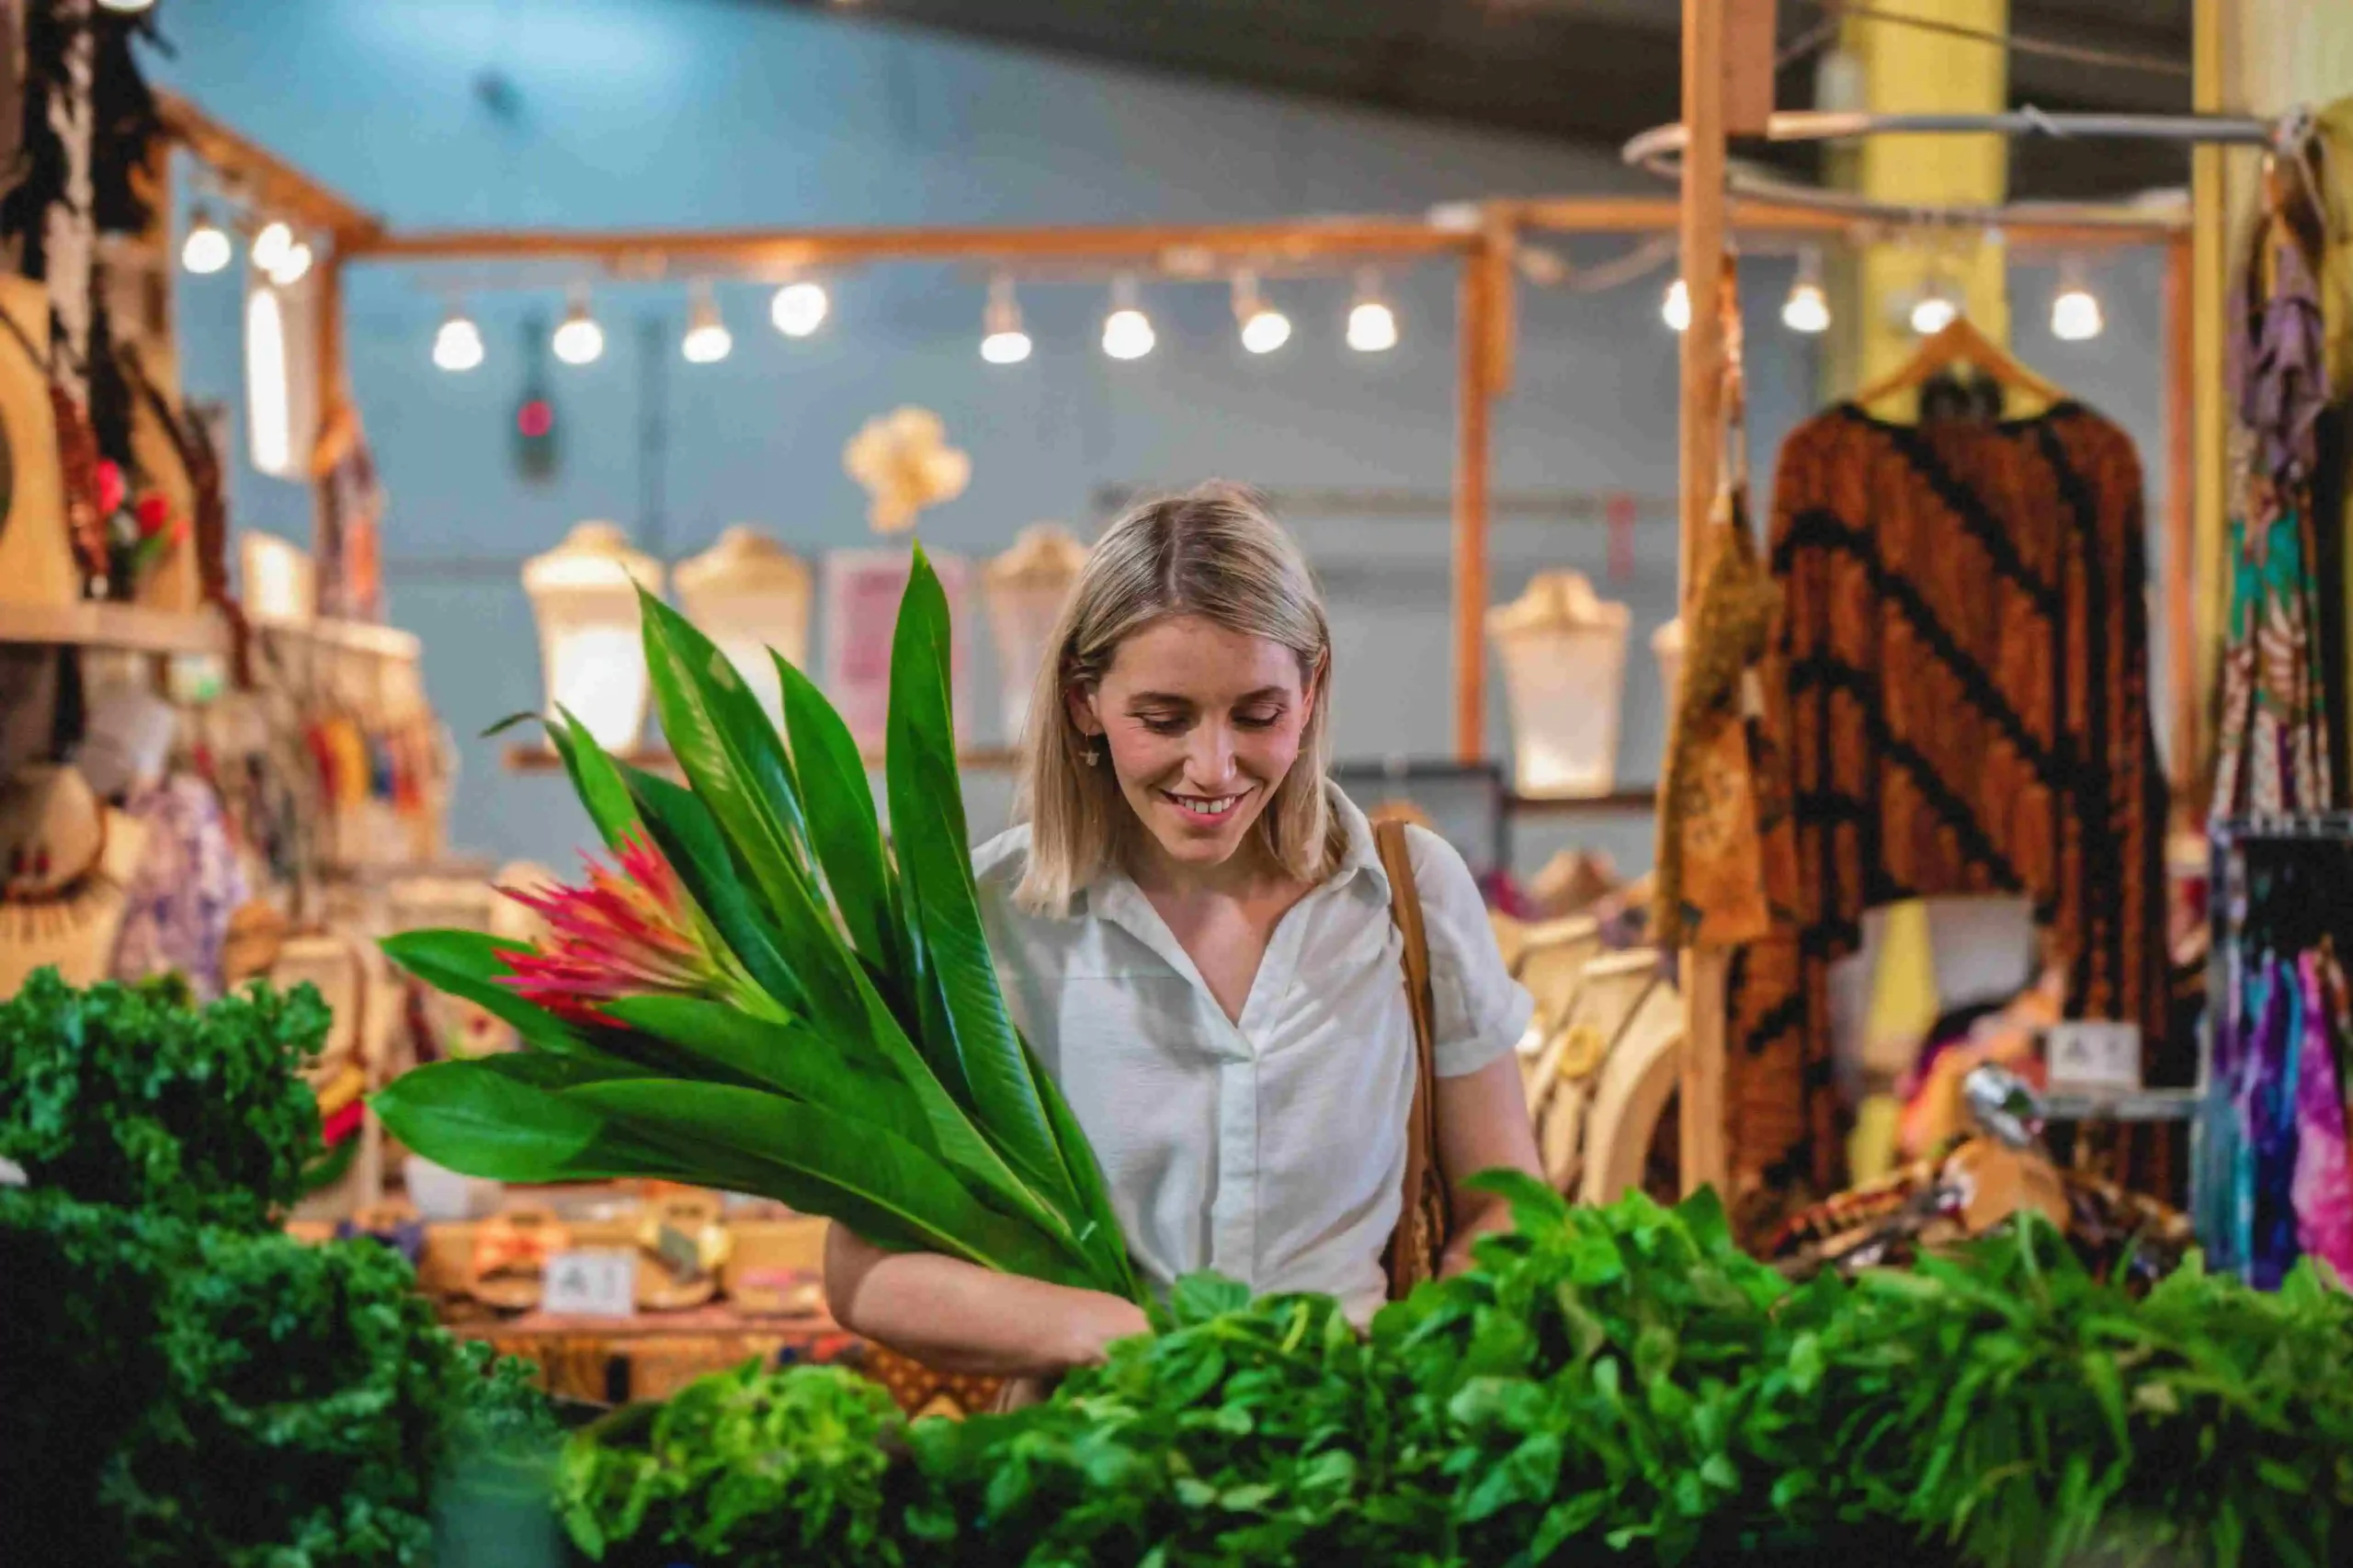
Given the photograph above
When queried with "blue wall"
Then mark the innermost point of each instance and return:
(710, 113)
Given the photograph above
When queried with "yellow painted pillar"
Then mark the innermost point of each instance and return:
(2259, 57)
(1913, 69)
(1910, 70)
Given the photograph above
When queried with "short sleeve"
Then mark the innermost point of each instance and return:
(1480, 1011)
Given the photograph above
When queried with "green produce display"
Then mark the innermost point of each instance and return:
(184, 1385)
(1618, 1384)
(759, 996)
(127, 1095)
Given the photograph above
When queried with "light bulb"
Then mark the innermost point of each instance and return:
(708, 340)
(1807, 308)
(1373, 327)
(458, 344)
(2075, 314)
(292, 265)
(799, 308)
(1933, 314)
(268, 397)
(1128, 334)
(1267, 330)
(271, 244)
(207, 248)
(1675, 309)
(126, 7)
(1003, 342)
(579, 339)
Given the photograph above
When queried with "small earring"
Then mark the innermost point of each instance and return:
(1094, 756)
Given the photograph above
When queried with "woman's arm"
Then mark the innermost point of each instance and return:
(1482, 1123)
(956, 1316)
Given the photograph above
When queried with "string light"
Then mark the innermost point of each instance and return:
(1127, 331)
(2076, 315)
(457, 347)
(271, 244)
(578, 340)
(1934, 310)
(1263, 328)
(1372, 325)
(708, 340)
(269, 394)
(126, 7)
(1675, 309)
(207, 249)
(1807, 308)
(799, 308)
(1002, 341)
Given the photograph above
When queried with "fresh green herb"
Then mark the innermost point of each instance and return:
(760, 997)
(128, 1096)
(192, 1393)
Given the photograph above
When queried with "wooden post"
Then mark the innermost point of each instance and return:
(2180, 567)
(329, 442)
(1475, 327)
(1700, 444)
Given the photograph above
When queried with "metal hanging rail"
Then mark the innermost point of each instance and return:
(1659, 151)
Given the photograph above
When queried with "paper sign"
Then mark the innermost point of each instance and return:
(594, 1282)
(2089, 1053)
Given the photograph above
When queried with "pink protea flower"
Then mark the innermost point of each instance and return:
(626, 934)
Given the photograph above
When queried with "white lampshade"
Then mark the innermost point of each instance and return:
(749, 594)
(1667, 647)
(1025, 588)
(583, 595)
(1563, 653)
(279, 585)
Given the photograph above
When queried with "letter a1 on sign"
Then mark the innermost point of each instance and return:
(595, 1282)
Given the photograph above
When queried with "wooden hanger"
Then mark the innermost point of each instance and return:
(1959, 342)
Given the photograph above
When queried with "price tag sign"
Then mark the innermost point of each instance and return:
(594, 1282)
(2091, 1053)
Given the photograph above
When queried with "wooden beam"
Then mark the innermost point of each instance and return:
(1172, 244)
(267, 180)
(1476, 378)
(2180, 556)
(1640, 214)
(1700, 442)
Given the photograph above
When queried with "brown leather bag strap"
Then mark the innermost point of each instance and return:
(1419, 1241)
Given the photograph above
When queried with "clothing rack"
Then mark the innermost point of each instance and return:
(2230, 899)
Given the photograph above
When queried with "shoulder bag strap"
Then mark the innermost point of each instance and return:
(1419, 1241)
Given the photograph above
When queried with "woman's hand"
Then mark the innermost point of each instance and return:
(1483, 1124)
(955, 1316)
(1095, 1323)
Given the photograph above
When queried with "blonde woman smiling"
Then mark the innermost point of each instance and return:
(1196, 933)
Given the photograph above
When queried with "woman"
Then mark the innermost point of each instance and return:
(1194, 932)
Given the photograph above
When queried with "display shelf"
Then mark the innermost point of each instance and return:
(101, 623)
(2136, 1105)
(350, 636)
(1639, 800)
(527, 757)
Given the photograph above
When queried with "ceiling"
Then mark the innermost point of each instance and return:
(1592, 71)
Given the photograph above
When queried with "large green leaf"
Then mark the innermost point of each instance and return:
(683, 831)
(488, 1123)
(842, 825)
(468, 964)
(726, 745)
(786, 1057)
(935, 862)
(731, 755)
(1100, 1232)
(820, 1163)
(596, 778)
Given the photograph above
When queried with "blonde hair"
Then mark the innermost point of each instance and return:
(1216, 553)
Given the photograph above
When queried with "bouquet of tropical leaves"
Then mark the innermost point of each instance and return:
(758, 993)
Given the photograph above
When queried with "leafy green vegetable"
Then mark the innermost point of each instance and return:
(181, 1393)
(1624, 1384)
(762, 999)
(739, 1465)
(129, 1096)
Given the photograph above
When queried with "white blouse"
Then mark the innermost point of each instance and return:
(1272, 1149)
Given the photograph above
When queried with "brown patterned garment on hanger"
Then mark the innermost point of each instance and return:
(1960, 680)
